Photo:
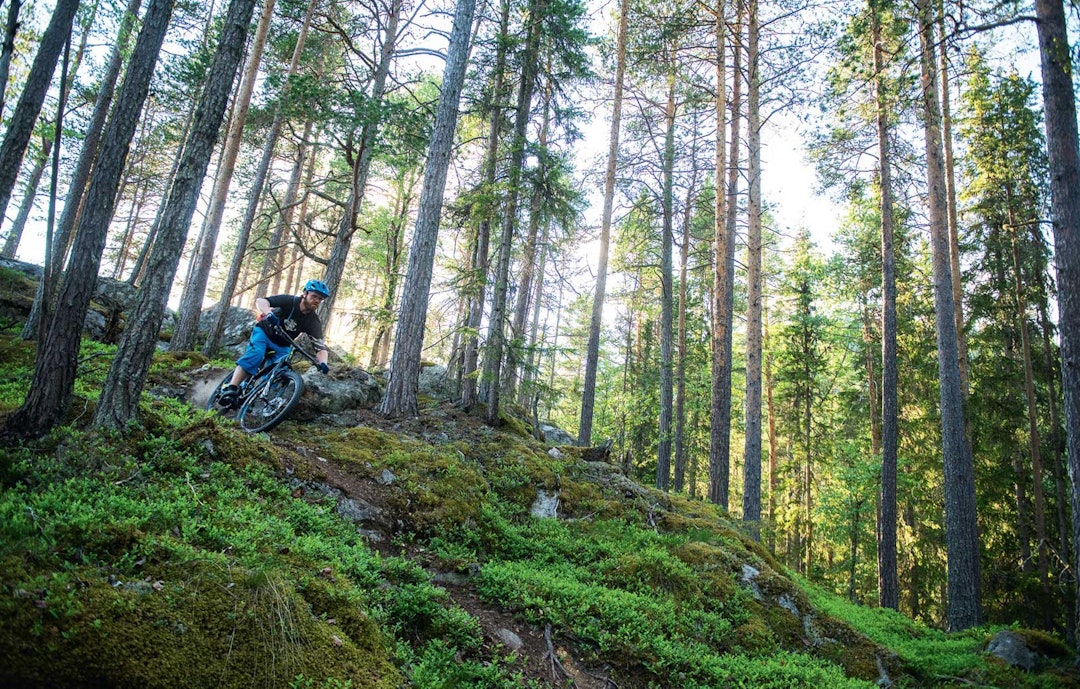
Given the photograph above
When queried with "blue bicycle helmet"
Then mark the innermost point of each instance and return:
(318, 287)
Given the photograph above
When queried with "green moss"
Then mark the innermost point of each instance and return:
(582, 500)
(359, 448)
(198, 625)
(1046, 645)
(514, 425)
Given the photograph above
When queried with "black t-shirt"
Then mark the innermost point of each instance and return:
(293, 322)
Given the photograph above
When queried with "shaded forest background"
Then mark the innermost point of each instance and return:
(315, 167)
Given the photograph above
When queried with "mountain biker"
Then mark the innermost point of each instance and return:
(292, 314)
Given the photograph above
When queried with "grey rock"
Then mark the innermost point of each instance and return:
(509, 639)
(371, 535)
(30, 270)
(546, 505)
(358, 511)
(1011, 647)
(386, 478)
(143, 588)
(788, 603)
(749, 578)
(450, 578)
(114, 295)
(351, 388)
(238, 324)
(435, 383)
(94, 324)
(553, 435)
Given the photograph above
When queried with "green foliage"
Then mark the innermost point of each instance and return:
(117, 549)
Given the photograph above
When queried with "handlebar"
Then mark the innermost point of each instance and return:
(278, 330)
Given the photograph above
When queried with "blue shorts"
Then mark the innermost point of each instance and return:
(260, 348)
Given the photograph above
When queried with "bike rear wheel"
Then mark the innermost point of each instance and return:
(270, 404)
(212, 403)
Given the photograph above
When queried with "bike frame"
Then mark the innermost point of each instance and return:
(251, 386)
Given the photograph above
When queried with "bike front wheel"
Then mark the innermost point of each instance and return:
(271, 402)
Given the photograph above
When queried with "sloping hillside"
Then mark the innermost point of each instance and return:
(431, 552)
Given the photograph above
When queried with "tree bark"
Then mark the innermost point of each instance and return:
(21, 126)
(54, 370)
(11, 28)
(496, 340)
(339, 253)
(73, 202)
(663, 445)
(950, 195)
(888, 582)
(961, 529)
(719, 430)
(213, 338)
(11, 244)
(1061, 142)
(191, 300)
(752, 447)
(401, 389)
(119, 399)
(592, 356)
(723, 281)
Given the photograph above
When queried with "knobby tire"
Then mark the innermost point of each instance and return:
(269, 406)
(212, 403)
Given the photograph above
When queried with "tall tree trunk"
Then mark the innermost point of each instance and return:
(1061, 143)
(961, 529)
(191, 300)
(481, 243)
(592, 356)
(119, 399)
(401, 389)
(680, 372)
(720, 423)
(73, 202)
(11, 28)
(950, 195)
(1032, 413)
(21, 126)
(888, 583)
(528, 259)
(496, 340)
(11, 244)
(752, 447)
(774, 450)
(67, 82)
(213, 338)
(284, 225)
(531, 364)
(663, 451)
(339, 253)
(54, 369)
(151, 236)
(395, 245)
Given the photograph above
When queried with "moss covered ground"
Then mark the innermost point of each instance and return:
(184, 553)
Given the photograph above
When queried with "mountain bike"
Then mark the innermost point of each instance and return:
(266, 398)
